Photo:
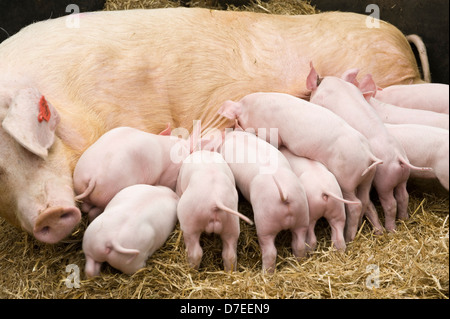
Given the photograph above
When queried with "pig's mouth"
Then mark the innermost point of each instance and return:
(55, 223)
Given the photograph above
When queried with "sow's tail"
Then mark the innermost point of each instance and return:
(414, 38)
(233, 212)
(408, 164)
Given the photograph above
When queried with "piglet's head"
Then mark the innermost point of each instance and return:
(32, 121)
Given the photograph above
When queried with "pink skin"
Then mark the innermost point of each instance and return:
(312, 131)
(123, 157)
(428, 96)
(324, 197)
(266, 180)
(425, 146)
(392, 114)
(135, 223)
(33, 179)
(208, 203)
(343, 97)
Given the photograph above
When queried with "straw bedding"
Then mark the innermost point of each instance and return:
(413, 262)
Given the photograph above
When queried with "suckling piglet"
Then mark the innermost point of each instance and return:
(425, 146)
(267, 181)
(392, 114)
(135, 223)
(312, 131)
(425, 96)
(324, 197)
(208, 203)
(123, 157)
(344, 96)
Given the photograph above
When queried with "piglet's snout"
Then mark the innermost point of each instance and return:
(55, 223)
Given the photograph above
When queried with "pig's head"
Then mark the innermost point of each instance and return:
(36, 191)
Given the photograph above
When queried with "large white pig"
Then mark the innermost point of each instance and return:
(344, 97)
(135, 223)
(208, 203)
(122, 157)
(311, 131)
(267, 181)
(147, 68)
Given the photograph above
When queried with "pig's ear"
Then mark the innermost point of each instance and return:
(313, 80)
(167, 130)
(32, 121)
(368, 87)
(350, 76)
(230, 110)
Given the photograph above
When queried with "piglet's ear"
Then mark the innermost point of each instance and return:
(32, 121)
(368, 87)
(230, 110)
(350, 76)
(313, 80)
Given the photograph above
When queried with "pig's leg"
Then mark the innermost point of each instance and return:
(94, 212)
(229, 243)
(353, 212)
(372, 216)
(229, 253)
(92, 267)
(268, 252)
(402, 196)
(298, 241)
(337, 232)
(389, 205)
(311, 239)
(193, 249)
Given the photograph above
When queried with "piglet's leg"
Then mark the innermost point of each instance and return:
(229, 253)
(311, 239)
(402, 196)
(268, 251)
(372, 216)
(389, 205)
(193, 249)
(353, 216)
(298, 241)
(337, 233)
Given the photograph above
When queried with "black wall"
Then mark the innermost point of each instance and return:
(14, 15)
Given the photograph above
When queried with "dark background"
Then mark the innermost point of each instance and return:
(428, 19)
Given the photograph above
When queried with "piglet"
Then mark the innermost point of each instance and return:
(392, 114)
(425, 146)
(427, 96)
(208, 203)
(135, 223)
(123, 157)
(324, 197)
(309, 130)
(266, 180)
(343, 97)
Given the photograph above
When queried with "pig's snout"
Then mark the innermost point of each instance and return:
(56, 223)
